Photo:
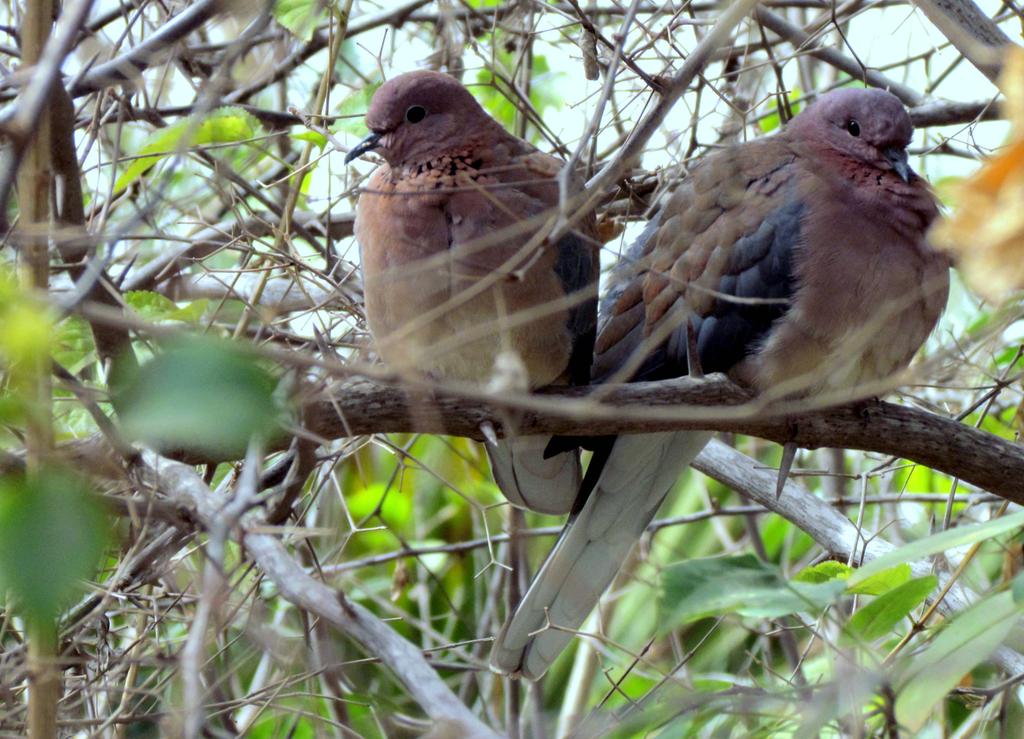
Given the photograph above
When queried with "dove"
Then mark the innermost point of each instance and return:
(796, 264)
(460, 282)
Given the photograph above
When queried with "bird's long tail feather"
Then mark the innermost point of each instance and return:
(529, 480)
(638, 474)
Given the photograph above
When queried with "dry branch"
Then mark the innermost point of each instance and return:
(972, 32)
(155, 49)
(645, 128)
(713, 403)
(803, 41)
(827, 526)
(405, 660)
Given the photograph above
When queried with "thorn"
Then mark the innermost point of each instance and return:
(490, 435)
(788, 455)
(692, 357)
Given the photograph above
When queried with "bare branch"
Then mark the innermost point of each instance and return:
(713, 403)
(717, 37)
(373, 635)
(972, 32)
(827, 526)
(803, 41)
(153, 50)
(944, 444)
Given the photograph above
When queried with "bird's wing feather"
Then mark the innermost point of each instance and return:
(720, 256)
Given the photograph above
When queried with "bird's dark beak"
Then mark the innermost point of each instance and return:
(897, 157)
(368, 144)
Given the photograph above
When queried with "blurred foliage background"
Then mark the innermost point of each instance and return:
(216, 201)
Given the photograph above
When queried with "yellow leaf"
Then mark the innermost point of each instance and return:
(25, 332)
(985, 234)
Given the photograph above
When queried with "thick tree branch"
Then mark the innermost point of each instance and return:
(84, 266)
(714, 403)
(41, 73)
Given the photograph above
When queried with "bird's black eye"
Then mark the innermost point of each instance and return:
(853, 127)
(415, 114)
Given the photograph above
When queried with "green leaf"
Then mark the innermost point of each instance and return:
(222, 126)
(300, 17)
(199, 394)
(940, 542)
(190, 312)
(882, 582)
(156, 307)
(1018, 588)
(26, 331)
(742, 584)
(824, 572)
(963, 644)
(542, 93)
(772, 121)
(312, 137)
(149, 305)
(73, 343)
(52, 532)
(352, 110)
(947, 188)
(877, 618)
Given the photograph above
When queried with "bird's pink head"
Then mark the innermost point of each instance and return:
(869, 126)
(418, 116)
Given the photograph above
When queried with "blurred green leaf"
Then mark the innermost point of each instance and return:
(916, 478)
(949, 539)
(222, 126)
(877, 618)
(312, 137)
(882, 582)
(1018, 588)
(384, 499)
(12, 407)
(282, 724)
(837, 571)
(824, 572)
(542, 94)
(781, 538)
(699, 588)
(26, 329)
(199, 394)
(352, 110)
(772, 121)
(432, 561)
(300, 17)
(52, 532)
(156, 307)
(963, 644)
(946, 188)
(190, 312)
(149, 305)
(73, 344)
